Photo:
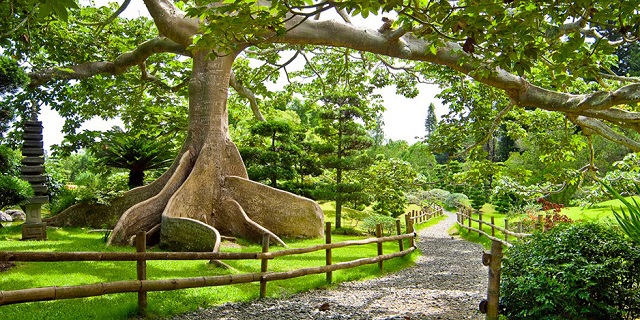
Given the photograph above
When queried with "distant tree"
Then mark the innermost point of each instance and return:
(136, 153)
(12, 77)
(387, 182)
(628, 60)
(345, 141)
(431, 121)
(272, 156)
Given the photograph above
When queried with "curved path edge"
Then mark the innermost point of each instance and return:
(447, 282)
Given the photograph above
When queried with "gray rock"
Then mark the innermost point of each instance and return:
(17, 215)
(4, 217)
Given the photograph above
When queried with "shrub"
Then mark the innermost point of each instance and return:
(355, 216)
(437, 196)
(578, 271)
(456, 200)
(529, 209)
(388, 223)
(14, 191)
(346, 231)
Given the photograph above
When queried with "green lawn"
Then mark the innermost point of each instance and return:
(598, 212)
(120, 306)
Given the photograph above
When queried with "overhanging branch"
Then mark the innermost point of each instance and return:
(118, 66)
(248, 94)
(605, 131)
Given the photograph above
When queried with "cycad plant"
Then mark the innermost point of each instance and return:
(135, 153)
(629, 219)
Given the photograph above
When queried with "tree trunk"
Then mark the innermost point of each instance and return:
(210, 185)
(338, 198)
(136, 178)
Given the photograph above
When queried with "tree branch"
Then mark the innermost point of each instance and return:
(19, 25)
(117, 13)
(248, 94)
(605, 131)
(521, 92)
(172, 22)
(118, 66)
(145, 75)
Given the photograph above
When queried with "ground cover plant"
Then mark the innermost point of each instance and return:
(120, 306)
(575, 271)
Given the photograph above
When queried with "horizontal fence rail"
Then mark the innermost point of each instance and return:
(142, 285)
(135, 256)
(464, 220)
(425, 214)
(83, 291)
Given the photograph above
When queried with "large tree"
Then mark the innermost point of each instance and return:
(499, 43)
(345, 139)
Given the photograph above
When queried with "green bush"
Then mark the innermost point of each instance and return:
(346, 231)
(577, 271)
(456, 200)
(437, 196)
(14, 191)
(388, 223)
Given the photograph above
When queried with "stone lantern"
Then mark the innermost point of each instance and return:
(33, 172)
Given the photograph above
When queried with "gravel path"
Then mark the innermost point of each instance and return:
(447, 282)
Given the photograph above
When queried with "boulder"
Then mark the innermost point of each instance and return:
(17, 215)
(4, 217)
(184, 234)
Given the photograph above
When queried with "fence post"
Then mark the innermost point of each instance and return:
(379, 235)
(141, 266)
(263, 265)
(519, 226)
(506, 228)
(412, 240)
(479, 224)
(540, 223)
(493, 290)
(399, 232)
(327, 236)
(469, 212)
(493, 229)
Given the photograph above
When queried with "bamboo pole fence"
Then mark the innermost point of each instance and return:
(493, 260)
(465, 220)
(425, 214)
(142, 285)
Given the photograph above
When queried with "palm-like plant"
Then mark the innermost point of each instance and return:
(629, 219)
(137, 153)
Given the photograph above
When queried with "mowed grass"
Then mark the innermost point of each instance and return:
(601, 212)
(163, 304)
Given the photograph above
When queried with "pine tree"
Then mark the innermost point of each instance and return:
(345, 141)
(431, 121)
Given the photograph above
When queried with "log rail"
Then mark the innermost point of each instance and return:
(142, 286)
(493, 259)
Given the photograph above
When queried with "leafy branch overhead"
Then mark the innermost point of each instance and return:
(532, 51)
(529, 58)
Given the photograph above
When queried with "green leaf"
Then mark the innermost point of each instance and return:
(60, 11)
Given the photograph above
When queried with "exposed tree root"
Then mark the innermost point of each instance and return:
(146, 214)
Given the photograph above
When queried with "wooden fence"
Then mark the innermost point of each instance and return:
(425, 214)
(465, 220)
(493, 260)
(142, 285)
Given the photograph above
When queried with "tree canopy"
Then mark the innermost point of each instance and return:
(525, 56)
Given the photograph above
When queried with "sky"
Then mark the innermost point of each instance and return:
(403, 118)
